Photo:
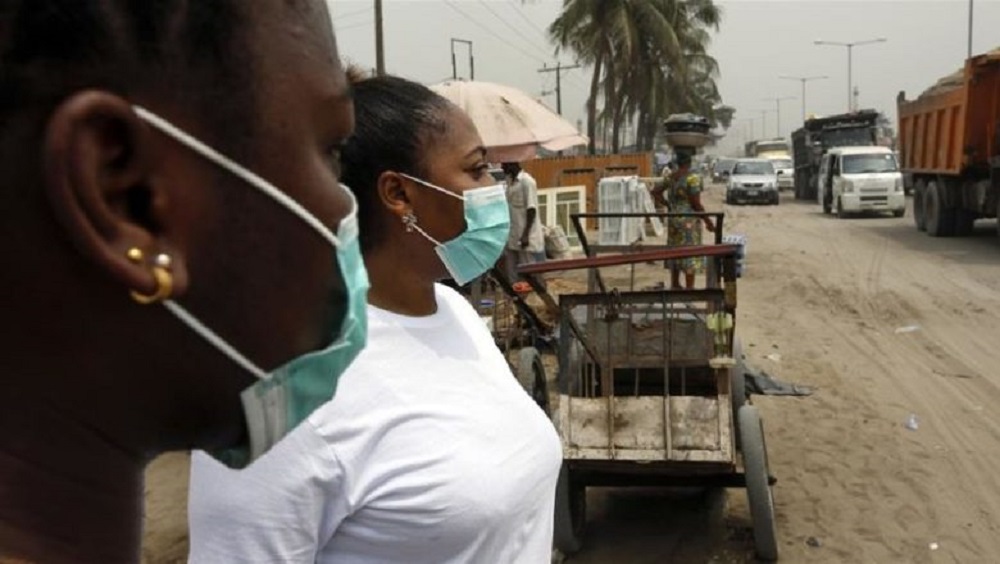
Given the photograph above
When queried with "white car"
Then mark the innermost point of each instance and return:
(785, 170)
(861, 179)
(752, 181)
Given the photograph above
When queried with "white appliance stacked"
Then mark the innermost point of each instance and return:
(625, 194)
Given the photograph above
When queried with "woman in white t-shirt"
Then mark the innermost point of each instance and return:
(430, 451)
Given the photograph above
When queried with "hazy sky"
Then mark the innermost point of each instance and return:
(757, 42)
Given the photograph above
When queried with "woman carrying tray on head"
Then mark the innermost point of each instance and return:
(682, 194)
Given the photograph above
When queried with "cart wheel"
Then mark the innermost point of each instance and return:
(571, 513)
(531, 375)
(737, 382)
(758, 489)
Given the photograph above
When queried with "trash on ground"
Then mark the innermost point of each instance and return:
(773, 357)
(907, 329)
(934, 546)
(911, 422)
(813, 542)
(763, 384)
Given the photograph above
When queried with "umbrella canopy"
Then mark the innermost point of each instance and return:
(512, 124)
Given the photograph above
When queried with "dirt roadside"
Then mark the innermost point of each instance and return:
(828, 296)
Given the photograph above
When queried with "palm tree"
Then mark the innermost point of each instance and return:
(648, 56)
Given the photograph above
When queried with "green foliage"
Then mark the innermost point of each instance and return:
(650, 60)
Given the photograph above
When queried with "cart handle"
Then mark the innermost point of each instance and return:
(689, 251)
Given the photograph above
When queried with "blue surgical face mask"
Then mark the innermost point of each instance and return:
(284, 397)
(477, 249)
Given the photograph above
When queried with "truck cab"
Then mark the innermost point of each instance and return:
(785, 170)
(853, 180)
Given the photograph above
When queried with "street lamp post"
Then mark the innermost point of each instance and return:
(970, 29)
(777, 106)
(850, 51)
(804, 80)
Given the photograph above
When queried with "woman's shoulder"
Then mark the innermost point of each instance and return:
(451, 298)
(461, 311)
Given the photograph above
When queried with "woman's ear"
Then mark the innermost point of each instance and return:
(101, 181)
(392, 193)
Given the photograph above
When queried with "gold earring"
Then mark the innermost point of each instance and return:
(134, 255)
(164, 287)
(161, 272)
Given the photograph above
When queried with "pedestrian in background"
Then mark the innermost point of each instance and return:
(526, 243)
(682, 194)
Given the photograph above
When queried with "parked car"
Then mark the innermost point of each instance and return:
(786, 172)
(721, 169)
(752, 181)
(861, 179)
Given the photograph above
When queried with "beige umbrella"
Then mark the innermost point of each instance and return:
(512, 124)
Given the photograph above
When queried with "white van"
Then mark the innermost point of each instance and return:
(861, 179)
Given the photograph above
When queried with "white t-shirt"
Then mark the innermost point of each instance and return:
(522, 195)
(430, 452)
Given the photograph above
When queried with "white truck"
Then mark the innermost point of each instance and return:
(861, 179)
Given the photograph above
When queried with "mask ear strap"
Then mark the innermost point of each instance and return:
(215, 340)
(426, 236)
(432, 186)
(226, 163)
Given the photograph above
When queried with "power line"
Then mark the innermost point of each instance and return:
(558, 69)
(517, 9)
(355, 25)
(346, 15)
(514, 28)
(490, 30)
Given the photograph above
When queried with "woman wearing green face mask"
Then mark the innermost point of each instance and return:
(430, 451)
(179, 262)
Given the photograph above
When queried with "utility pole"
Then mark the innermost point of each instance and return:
(379, 46)
(558, 70)
(777, 104)
(472, 62)
(804, 80)
(970, 29)
(763, 122)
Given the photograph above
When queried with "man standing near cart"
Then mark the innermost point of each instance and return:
(526, 242)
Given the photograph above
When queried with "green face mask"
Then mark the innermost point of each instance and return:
(284, 397)
(487, 224)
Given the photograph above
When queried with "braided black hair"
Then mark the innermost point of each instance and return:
(395, 119)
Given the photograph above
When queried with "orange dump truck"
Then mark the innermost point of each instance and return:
(949, 145)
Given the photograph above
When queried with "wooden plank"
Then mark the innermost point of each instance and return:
(638, 423)
(699, 429)
(694, 423)
(698, 456)
(587, 423)
(652, 455)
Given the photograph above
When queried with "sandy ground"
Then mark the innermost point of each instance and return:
(828, 296)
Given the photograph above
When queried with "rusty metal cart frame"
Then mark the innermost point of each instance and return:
(651, 385)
